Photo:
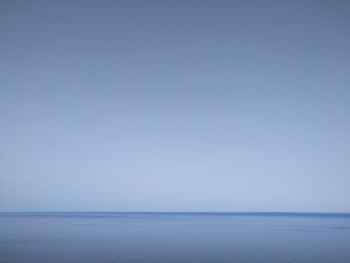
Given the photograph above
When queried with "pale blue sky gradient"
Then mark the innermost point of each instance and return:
(175, 105)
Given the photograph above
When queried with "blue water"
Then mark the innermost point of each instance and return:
(174, 237)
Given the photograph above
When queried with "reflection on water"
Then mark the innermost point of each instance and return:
(174, 237)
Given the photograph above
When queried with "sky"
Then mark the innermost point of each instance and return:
(175, 105)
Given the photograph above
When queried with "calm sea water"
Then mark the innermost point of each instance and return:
(174, 237)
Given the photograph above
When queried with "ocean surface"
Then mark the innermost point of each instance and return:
(174, 237)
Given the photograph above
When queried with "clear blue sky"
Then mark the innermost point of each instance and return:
(175, 105)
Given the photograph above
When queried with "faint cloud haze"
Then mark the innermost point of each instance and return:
(175, 105)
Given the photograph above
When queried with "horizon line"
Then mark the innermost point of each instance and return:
(172, 212)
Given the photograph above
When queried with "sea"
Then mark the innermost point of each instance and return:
(108, 237)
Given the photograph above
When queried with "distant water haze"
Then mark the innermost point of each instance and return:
(174, 106)
(174, 237)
